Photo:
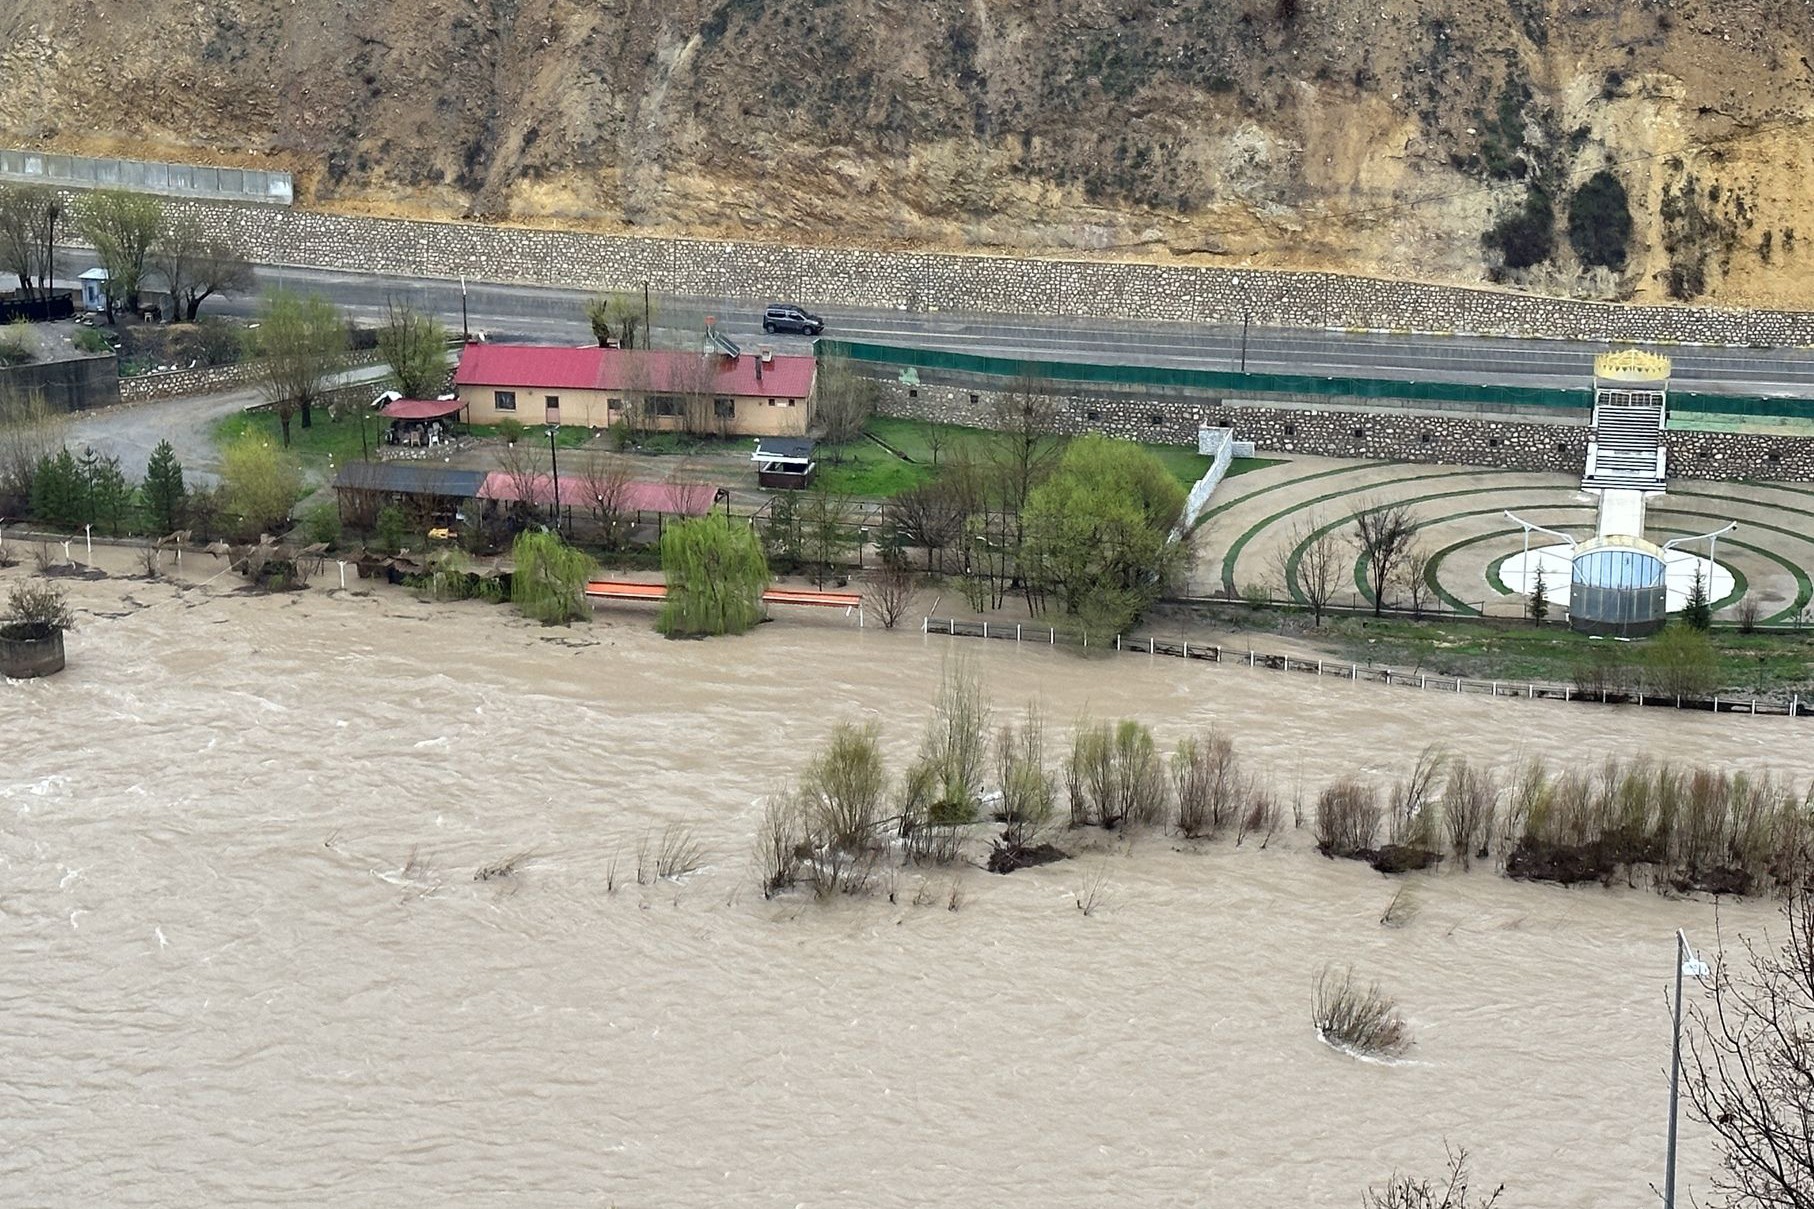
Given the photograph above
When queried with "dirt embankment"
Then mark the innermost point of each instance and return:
(1343, 134)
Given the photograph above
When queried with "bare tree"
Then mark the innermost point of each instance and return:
(521, 463)
(1750, 1066)
(1025, 448)
(1414, 577)
(1384, 534)
(30, 430)
(1311, 560)
(936, 437)
(930, 516)
(29, 215)
(891, 590)
(195, 267)
(846, 400)
(606, 484)
(1450, 1192)
(692, 377)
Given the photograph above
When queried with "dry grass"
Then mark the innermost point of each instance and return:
(678, 853)
(1093, 894)
(1362, 1020)
(510, 866)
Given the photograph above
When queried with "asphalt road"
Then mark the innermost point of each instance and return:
(507, 312)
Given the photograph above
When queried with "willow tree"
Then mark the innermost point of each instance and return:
(549, 583)
(716, 576)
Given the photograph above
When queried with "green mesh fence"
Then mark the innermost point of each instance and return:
(1228, 382)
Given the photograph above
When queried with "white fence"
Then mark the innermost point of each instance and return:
(148, 176)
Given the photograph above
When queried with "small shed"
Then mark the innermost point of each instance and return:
(785, 463)
(94, 289)
(432, 494)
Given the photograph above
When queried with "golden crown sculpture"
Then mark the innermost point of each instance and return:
(1631, 365)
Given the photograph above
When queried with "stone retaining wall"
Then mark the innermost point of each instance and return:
(833, 277)
(1558, 445)
(206, 380)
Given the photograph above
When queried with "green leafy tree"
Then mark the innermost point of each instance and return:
(1098, 532)
(620, 318)
(301, 343)
(549, 582)
(124, 227)
(391, 528)
(846, 400)
(414, 345)
(56, 493)
(716, 575)
(829, 536)
(1697, 613)
(1599, 221)
(1681, 662)
(261, 482)
(163, 491)
(784, 533)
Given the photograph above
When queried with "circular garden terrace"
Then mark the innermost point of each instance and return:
(1254, 532)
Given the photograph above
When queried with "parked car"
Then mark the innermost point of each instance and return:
(782, 317)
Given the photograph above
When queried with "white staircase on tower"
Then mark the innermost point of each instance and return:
(1625, 449)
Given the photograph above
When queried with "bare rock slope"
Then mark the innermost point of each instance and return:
(1381, 136)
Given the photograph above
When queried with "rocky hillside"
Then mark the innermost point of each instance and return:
(1384, 136)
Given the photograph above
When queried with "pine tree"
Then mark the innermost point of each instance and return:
(1698, 612)
(163, 492)
(57, 490)
(108, 494)
(1539, 597)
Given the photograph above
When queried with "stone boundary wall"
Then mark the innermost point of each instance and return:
(1556, 446)
(206, 381)
(833, 277)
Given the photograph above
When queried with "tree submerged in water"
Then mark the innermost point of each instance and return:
(716, 575)
(549, 584)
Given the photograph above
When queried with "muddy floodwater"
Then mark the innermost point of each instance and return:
(248, 962)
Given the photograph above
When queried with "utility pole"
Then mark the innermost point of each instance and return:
(465, 330)
(648, 330)
(1246, 318)
(555, 466)
(1685, 963)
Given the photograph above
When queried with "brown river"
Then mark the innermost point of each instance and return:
(248, 962)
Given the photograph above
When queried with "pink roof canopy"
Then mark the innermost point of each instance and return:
(581, 491)
(420, 409)
(545, 367)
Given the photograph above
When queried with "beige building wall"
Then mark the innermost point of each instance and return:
(750, 416)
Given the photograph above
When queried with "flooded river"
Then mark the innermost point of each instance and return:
(248, 961)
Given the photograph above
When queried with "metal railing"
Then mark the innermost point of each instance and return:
(1173, 648)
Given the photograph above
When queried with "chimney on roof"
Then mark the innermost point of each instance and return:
(759, 361)
(766, 352)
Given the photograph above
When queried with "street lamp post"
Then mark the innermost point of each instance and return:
(1246, 318)
(1686, 963)
(555, 466)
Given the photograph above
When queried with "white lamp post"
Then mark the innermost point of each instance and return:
(1686, 963)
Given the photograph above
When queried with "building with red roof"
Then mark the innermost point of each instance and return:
(758, 394)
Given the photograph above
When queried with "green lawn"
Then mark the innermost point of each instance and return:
(571, 436)
(1762, 662)
(327, 437)
(915, 438)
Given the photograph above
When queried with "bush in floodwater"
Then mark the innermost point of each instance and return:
(549, 582)
(842, 791)
(1347, 818)
(1470, 798)
(1451, 1191)
(1115, 777)
(1208, 785)
(1029, 793)
(1361, 1019)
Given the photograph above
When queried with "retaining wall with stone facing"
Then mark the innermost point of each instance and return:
(212, 379)
(833, 277)
(1558, 446)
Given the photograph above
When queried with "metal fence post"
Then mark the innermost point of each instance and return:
(952, 623)
(1017, 631)
(985, 628)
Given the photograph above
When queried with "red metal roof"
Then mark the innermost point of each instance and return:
(685, 499)
(546, 367)
(420, 409)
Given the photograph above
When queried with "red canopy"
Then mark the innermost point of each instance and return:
(420, 409)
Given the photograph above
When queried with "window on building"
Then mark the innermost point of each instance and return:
(664, 405)
(614, 404)
(504, 400)
(724, 409)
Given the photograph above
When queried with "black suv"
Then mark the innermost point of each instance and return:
(783, 318)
